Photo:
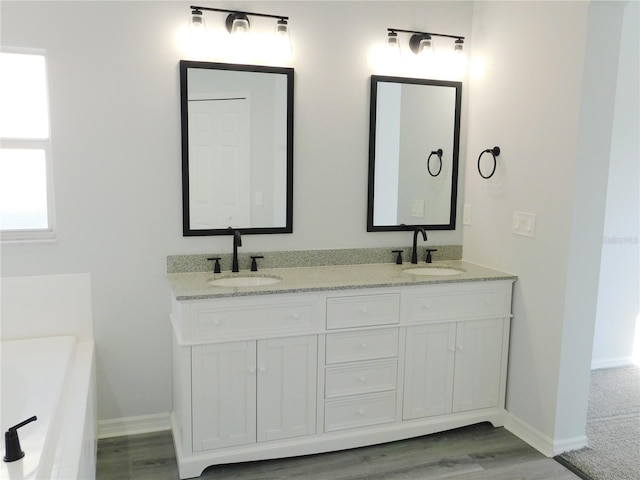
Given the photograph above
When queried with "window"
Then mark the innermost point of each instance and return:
(26, 187)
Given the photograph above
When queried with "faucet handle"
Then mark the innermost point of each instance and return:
(216, 267)
(399, 257)
(254, 264)
(429, 250)
(12, 441)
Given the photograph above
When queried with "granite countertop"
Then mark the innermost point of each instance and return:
(194, 286)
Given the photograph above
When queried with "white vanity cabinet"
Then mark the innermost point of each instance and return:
(269, 376)
(245, 372)
(243, 392)
(452, 367)
(456, 349)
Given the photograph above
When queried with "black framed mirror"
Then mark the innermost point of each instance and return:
(414, 137)
(237, 148)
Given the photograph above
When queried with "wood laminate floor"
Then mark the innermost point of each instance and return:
(479, 452)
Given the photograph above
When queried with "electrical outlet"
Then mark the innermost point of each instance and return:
(524, 224)
(466, 214)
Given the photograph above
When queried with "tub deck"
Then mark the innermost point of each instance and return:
(48, 370)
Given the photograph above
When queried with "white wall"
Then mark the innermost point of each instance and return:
(546, 98)
(113, 72)
(618, 304)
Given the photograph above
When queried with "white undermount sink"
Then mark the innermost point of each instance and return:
(244, 281)
(433, 271)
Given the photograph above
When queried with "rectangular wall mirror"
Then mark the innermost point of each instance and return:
(413, 154)
(237, 148)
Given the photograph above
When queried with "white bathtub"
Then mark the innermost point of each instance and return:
(47, 370)
(50, 378)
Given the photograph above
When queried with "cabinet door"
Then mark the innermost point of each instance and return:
(287, 370)
(429, 368)
(478, 364)
(223, 395)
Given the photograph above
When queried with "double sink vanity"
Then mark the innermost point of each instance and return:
(315, 356)
(295, 361)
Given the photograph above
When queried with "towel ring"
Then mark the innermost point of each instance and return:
(439, 154)
(495, 152)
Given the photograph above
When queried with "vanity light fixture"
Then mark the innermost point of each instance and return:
(197, 20)
(237, 22)
(421, 43)
(393, 43)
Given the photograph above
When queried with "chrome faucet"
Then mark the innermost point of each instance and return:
(414, 254)
(237, 242)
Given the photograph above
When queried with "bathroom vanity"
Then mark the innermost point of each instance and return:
(330, 358)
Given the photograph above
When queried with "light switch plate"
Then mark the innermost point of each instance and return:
(417, 208)
(524, 224)
(466, 214)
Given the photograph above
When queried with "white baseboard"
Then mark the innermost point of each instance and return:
(133, 425)
(541, 442)
(612, 363)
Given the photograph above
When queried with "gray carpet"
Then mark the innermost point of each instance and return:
(613, 427)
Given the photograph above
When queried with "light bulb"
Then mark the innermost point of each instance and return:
(425, 47)
(458, 46)
(240, 26)
(283, 38)
(393, 44)
(197, 20)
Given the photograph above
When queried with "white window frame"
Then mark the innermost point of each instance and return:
(47, 234)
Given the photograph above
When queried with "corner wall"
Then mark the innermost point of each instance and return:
(536, 100)
(618, 304)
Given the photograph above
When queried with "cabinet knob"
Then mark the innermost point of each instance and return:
(216, 323)
(364, 310)
(252, 370)
(262, 369)
(487, 301)
(360, 411)
(452, 349)
(362, 379)
(426, 306)
(363, 345)
(295, 315)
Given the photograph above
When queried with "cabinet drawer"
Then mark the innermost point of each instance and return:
(363, 345)
(213, 322)
(360, 411)
(363, 310)
(456, 303)
(361, 378)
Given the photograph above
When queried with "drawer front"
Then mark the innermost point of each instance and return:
(360, 411)
(209, 322)
(362, 345)
(361, 378)
(363, 310)
(456, 304)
